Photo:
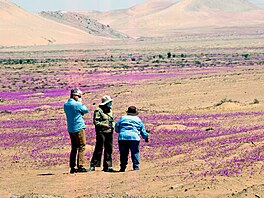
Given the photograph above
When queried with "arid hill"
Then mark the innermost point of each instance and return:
(163, 18)
(84, 23)
(223, 5)
(18, 27)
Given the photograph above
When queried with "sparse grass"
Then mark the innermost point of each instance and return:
(255, 101)
(224, 101)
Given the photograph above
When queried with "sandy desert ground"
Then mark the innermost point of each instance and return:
(204, 108)
(197, 81)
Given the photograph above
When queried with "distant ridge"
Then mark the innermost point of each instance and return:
(84, 23)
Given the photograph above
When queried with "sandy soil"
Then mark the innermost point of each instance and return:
(224, 91)
(234, 90)
(156, 178)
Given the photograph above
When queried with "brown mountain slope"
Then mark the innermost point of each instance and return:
(18, 27)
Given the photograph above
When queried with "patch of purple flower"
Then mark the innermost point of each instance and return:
(221, 143)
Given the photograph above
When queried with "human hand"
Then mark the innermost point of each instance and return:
(148, 131)
(147, 140)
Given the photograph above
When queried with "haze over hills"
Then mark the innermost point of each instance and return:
(18, 27)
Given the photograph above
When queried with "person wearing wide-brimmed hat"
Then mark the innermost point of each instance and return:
(104, 126)
(130, 127)
(74, 110)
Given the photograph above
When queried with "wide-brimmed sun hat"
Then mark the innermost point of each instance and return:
(106, 99)
(132, 110)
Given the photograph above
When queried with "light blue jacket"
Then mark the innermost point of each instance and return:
(130, 127)
(74, 113)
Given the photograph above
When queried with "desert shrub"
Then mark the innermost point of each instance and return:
(224, 101)
(160, 56)
(156, 61)
(255, 101)
(168, 55)
(245, 56)
(183, 55)
(197, 62)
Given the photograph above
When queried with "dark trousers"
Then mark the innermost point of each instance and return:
(104, 141)
(78, 142)
(124, 147)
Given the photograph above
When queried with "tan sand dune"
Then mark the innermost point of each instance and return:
(150, 6)
(18, 27)
(223, 5)
(145, 8)
(157, 18)
(129, 19)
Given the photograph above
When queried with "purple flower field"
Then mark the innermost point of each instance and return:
(33, 128)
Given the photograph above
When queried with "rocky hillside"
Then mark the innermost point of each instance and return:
(84, 23)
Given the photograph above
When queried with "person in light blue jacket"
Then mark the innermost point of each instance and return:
(130, 127)
(74, 110)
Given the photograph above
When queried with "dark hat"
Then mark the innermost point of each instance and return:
(76, 92)
(132, 110)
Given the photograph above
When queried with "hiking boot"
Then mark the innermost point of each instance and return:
(73, 170)
(82, 170)
(109, 170)
(91, 169)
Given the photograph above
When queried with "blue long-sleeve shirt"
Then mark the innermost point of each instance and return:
(130, 127)
(74, 113)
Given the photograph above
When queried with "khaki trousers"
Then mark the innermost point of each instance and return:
(78, 142)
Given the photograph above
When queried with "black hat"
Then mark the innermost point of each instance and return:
(132, 110)
(76, 92)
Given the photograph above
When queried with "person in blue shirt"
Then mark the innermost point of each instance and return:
(74, 110)
(130, 127)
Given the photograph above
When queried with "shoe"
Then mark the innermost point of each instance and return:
(136, 169)
(82, 170)
(73, 170)
(109, 170)
(91, 169)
